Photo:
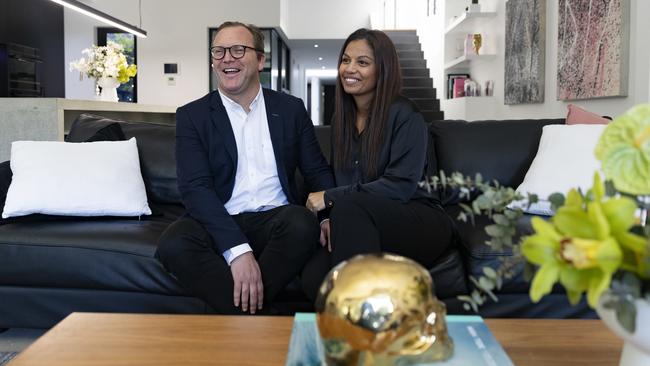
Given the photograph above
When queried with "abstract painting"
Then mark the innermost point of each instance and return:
(525, 51)
(593, 49)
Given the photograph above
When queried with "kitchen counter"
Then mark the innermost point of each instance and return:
(49, 119)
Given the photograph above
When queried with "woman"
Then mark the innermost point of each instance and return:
(379, 143)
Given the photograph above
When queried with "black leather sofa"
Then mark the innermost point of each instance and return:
(52, 266)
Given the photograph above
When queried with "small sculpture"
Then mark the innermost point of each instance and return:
(474, 7)
(379, 309)
(478, 41)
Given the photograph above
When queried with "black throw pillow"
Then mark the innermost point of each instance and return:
(112, 132)
(5, 181)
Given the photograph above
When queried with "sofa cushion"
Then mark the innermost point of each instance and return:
(577, 115)
(565, 160)
(91, 253)
(156, 145)
(498, 150)
(89, 179)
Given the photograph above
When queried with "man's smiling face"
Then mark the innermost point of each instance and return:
(237, 77)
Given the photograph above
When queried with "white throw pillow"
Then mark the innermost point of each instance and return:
(76, 179)
(565, 159)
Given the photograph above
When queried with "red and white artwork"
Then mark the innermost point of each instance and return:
(593, 48)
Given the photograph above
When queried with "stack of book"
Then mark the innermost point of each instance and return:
(474, 344)
(456, 85)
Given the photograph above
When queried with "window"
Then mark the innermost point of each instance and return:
(127, 92)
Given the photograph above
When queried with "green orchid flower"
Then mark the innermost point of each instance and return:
(624, 151)
(584, 244)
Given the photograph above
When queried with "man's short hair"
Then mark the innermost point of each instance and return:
(258, 36)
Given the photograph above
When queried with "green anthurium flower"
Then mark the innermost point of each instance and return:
(583, 245)
(624, 151)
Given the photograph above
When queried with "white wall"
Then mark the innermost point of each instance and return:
(639, 70)
(333, 19)
(284, 16)
(315, 99)
(649, 80)
(177, 32)
(430, 30)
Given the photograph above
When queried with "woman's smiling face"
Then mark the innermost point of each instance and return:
(357, 69)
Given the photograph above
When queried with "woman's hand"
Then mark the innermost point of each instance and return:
(325, 235)
(316, 201)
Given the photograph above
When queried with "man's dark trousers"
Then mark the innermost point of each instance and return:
(282, 239)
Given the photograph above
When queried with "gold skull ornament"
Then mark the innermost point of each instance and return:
(379, 309)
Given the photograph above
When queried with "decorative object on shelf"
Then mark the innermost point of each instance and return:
(597, 241)
(472, 88)
(468, 46)
(599, 68)
(474, 7)
(473, 43)
(489, 88)
(477, 42)
(525, 51)
(379, 309)
(108, 65)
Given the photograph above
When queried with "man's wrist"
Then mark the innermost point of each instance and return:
(233, 253)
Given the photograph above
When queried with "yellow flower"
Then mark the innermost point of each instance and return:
(583, 244)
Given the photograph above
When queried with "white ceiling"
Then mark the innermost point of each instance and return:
(306, 55)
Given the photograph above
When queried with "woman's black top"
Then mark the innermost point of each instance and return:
(402, 160)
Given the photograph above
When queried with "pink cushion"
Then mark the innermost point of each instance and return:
(578, 115)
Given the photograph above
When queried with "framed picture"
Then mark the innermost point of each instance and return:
(525, 51)
(593, 49)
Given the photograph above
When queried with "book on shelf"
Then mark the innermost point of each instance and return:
(452, 79)
(474, 344)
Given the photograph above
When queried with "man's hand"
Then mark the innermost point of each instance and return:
(248, 282)
(316, 201)
(325, 234)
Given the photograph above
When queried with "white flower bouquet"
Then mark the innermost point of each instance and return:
(105, 62)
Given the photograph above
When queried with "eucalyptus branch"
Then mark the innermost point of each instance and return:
(492, 200)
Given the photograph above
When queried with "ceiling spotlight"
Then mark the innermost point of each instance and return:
(320, 59)
(315, 45)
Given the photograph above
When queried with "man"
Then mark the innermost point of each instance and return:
(245, 235)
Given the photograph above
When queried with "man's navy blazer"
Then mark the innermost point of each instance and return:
(206, 159)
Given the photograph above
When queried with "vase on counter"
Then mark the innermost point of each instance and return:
(108, 87)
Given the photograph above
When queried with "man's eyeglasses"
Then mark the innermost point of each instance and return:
(237, 51)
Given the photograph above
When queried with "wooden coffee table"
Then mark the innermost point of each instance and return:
(89, 339)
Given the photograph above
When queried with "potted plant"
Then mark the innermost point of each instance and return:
(597, 243)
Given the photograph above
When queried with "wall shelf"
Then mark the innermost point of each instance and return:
(463, 61)
(462, 23)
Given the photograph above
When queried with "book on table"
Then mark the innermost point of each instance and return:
(474, 344)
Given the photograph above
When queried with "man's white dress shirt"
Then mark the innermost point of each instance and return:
(257, 185)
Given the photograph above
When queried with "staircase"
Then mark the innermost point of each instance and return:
(416, 83)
